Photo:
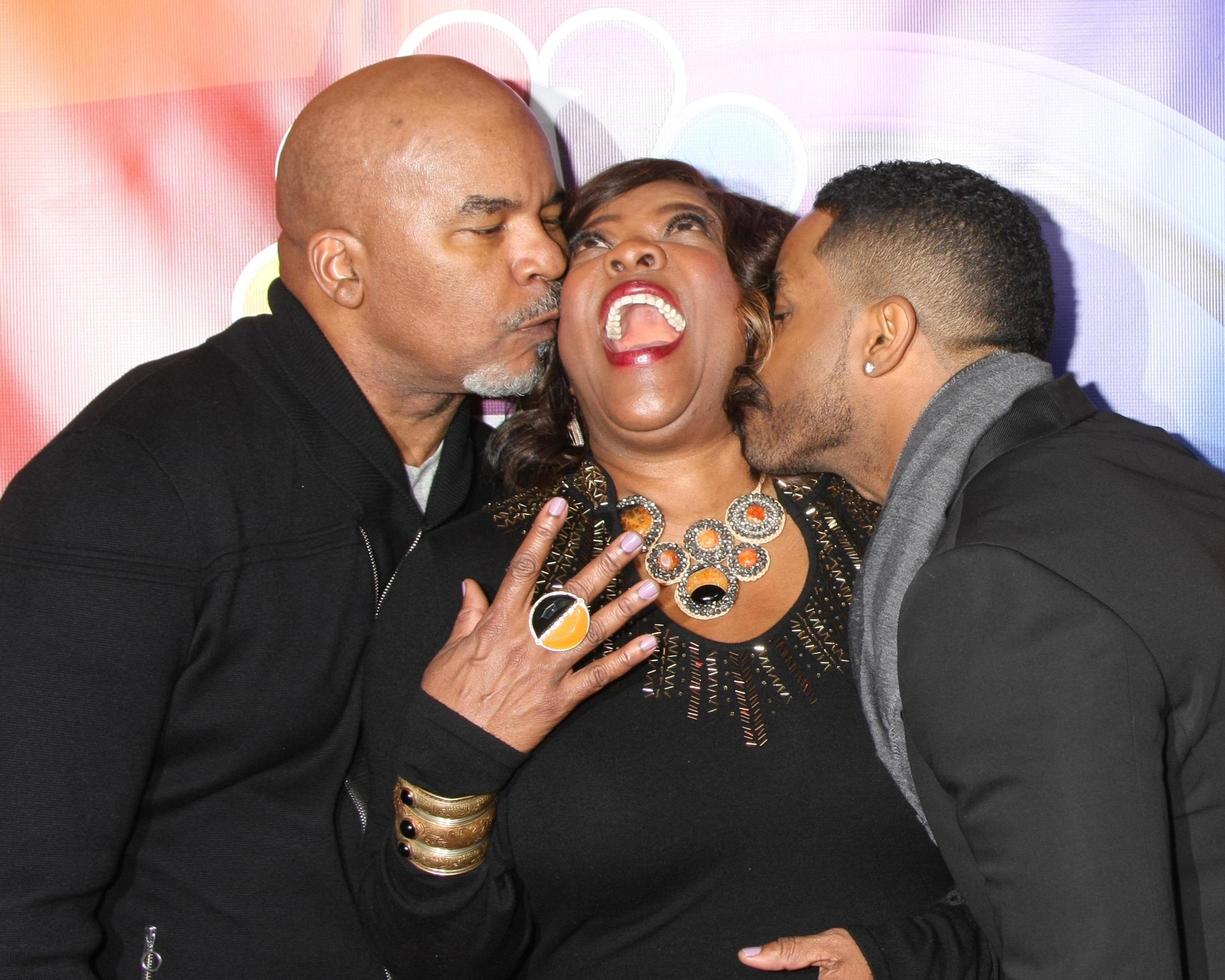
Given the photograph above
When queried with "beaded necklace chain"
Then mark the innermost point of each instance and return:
(713, 557)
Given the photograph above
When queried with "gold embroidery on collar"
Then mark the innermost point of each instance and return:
(591, 482)
(743, 681)
(519, 509)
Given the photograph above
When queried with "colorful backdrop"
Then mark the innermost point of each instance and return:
(138, 143)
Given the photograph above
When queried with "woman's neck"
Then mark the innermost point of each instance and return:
(699, 481)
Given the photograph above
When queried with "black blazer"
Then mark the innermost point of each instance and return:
(1060, 662)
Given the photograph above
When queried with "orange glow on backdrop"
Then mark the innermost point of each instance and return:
(56, 52)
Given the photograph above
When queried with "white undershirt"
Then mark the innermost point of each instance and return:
(421, 478)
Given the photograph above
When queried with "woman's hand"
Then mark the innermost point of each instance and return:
(493, 672)
(834, 951)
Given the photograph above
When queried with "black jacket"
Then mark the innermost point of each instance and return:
(187, 576)
(1062, 670)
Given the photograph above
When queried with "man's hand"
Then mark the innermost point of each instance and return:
(493, 673)
(834, 951)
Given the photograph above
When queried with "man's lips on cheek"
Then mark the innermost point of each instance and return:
(540, 330)
(546, 327)
(547, 319)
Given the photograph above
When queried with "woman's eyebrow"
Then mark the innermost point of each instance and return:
(602, 219)
(664, 209)
(678, 206)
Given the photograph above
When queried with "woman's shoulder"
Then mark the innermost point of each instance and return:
(513, 514)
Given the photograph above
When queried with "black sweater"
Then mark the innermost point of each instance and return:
(719, 796)
(186, 584)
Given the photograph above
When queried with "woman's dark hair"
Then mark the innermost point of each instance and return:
(532, 448)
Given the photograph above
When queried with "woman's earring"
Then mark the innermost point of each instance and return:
(869, 368)
(575, 431)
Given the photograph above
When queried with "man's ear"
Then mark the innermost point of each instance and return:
(892, 328)
(334, 257)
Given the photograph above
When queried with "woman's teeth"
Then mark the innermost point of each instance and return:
(673, 316)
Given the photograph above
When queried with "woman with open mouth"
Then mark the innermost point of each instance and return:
(721, 791)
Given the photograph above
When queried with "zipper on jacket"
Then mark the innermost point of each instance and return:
(360, 806)
(387, 588)
(374, 567)
(358, 803)
(150, 960)
(381, 594)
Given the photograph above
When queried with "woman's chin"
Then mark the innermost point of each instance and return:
(657, 425)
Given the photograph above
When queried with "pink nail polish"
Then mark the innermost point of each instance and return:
(557, 506)
(631, 542)
(648, 590)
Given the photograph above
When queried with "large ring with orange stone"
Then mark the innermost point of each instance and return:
(559, 621)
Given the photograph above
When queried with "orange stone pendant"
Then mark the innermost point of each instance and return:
(756, 517)
(667, 563)
(642, 516)
(707, 593)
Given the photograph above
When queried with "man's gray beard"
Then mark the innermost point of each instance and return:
(496, 381)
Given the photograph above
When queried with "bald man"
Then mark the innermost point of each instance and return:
(189, 570)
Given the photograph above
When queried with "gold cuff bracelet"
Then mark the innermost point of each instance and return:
(442, 835)
(444, 861)
(449, 807)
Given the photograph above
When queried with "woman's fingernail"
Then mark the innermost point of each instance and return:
(751, 951)
(648, 590)
(646, 643)
(463, 589)
(631, 542)
(557, 506)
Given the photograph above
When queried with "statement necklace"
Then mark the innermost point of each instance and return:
(714, 557)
